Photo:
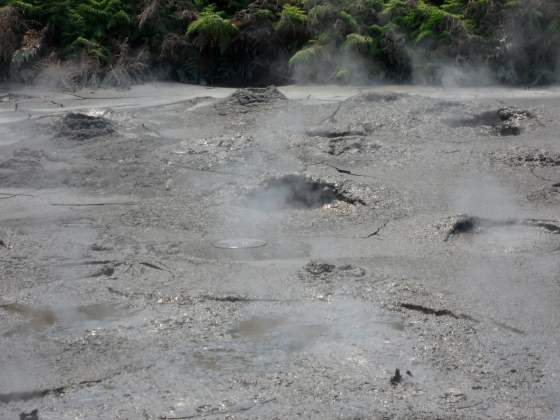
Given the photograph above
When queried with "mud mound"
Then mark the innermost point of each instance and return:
(298, 192)
(468, 225)
(82, 127)
(503, 122)
(255, 96)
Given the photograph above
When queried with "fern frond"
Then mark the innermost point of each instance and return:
(210, 30)
(305, 56)
(357, 42)
(292, 19)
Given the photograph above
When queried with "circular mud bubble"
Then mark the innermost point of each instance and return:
(239, 243)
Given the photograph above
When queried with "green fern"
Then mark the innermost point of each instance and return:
(305, 56)
(93, 49)
(210, 30)
(292, 20)
(350, 21)
(357, 42)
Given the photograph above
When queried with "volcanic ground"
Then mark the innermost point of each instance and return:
(174, 252)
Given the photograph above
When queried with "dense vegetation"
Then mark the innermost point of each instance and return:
(237, 42)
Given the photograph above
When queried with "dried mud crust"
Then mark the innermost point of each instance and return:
(77, 126)
(433, 320)
(206, 153)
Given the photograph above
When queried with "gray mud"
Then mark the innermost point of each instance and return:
(315, 252)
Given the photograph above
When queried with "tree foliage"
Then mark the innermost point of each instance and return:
(219, 41)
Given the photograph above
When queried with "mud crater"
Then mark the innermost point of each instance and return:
(503, 122)
(298, 192)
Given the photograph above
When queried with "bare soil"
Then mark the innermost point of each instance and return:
(316, 252)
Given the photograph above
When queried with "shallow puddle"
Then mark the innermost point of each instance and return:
(239, 243)
(38, 319)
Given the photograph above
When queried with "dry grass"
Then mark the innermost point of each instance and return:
(150, 13)
(11, 26)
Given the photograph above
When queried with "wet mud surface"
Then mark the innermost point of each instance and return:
(303, 252)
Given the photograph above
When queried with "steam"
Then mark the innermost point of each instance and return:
(483, 196)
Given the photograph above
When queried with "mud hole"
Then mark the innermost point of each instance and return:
(78, 126)
(503, 122)
(470, 225)
(298, 192)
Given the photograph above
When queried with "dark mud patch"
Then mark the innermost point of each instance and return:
(32, 415)
(316, 269)
(78, 126)
(549, 194)
(503, 122)
(333, 133)
(30, 395)
(443, 106)
(380, 97)
(298, 192)
(22, 169)
(529, 158)
(429, 311)
(351, 145)
(471, 225)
